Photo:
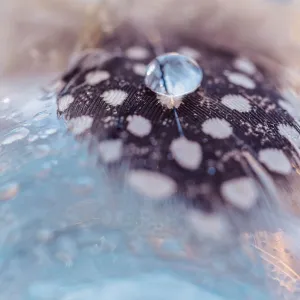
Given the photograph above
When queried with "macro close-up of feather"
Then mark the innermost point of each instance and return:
(150, 149)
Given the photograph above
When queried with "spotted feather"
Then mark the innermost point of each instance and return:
(238, 146)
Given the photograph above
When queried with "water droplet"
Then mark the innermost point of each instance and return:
(16, 135)
(173, 75)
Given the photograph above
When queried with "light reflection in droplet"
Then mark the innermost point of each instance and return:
(173, 75)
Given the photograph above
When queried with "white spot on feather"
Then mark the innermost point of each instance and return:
(111, 150)
(137, 52)
(96, 77)
(275, 160)
(241, 80)
(289, 133)
(240, 192)
(114, 97)
(139, 126)
(288, 107)
(64, 102)
(237, 102)
(80, 124)
(188, 154)
(151, 184)
(217, 128)
(139, 69)
(245, 65)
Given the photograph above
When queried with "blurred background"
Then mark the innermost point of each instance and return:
(38, 33)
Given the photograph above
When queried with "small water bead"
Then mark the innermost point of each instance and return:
(173, 75)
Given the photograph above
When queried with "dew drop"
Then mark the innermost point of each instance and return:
(173, 75)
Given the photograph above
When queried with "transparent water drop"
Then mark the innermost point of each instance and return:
(173, 75)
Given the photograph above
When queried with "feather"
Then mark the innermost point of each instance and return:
(224, 149)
